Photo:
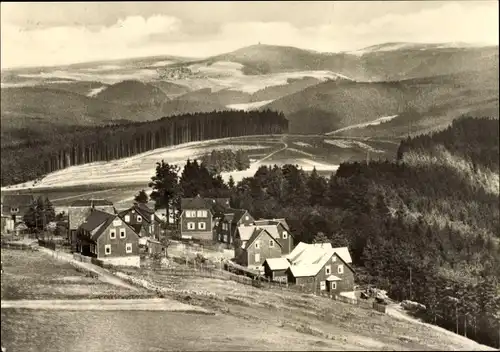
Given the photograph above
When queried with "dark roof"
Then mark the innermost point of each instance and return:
(199, 202)
(137, 228)
(90, 202)
(234, 215)
(273, 222)
(97, 220)
(143, 210)
(18, 200)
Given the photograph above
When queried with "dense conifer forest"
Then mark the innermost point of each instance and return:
(33, 159)
(420, 227)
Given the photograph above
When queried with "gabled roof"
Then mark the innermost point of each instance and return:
(272, 230)
(309, 259)
(246, 232)
(281, 221)
(96, 223)
(277, 263)
(343, 252)
(90, 202)
(143, 210)
(197, 202)
(256, 234)
(234, 215)
(18, 200)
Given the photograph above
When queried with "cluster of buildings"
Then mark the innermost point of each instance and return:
(263, 246)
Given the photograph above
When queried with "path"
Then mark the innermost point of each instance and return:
(104, 275)
(273, 153)
(395, 311)
(150, 304)
(83, 194)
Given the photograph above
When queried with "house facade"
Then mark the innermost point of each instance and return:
(276, 269)
(197, 217)
(78, 212)
(14, 207)
(228, 224)
(143, 219)
(259, 247)
(320, 267)
(108, 238)
(280, 232)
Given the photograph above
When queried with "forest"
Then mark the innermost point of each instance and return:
(32, 160)
(225, 160)
(424, 232)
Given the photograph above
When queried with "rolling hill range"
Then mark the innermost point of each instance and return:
(425, 102)
(425, 85)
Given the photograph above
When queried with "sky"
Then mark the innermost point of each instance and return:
(47, 34)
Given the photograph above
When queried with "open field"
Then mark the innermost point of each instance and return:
(35, 275)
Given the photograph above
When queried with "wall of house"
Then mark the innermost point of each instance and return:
(206, 234)
(133, 261)
(118, 245)
(275, 275)
(265, 251)
(287, 244)
(345, 285)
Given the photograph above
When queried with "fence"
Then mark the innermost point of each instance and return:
(47, 244)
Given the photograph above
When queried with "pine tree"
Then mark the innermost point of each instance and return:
(165, 185)
(317, 188)
(142, 197)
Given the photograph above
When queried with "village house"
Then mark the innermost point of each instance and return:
(108, 238)
(13, 208)
(143, 220)
(229, 223)
(318, 267)
(199, 216)
(260, 245)
(276, 269)
(279, 229)
(78, 212)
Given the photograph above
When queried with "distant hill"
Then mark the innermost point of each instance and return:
(170, 89)
(133, 92)
(332, 105)
(375, 63)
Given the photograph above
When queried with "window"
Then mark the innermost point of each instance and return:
(220, 237)
(328, 270)
(202, 226)
(117, 222)
(246, 218)
(152, 217)
(127, 218)
(122, 233)
(334, 285)
(225, 238)
(202, 213)
(191, 226)
(139, 218)
(257, 258)
(285, 235)
(128, 248)
(107, 249)
(322, 285)
(257, 244)
(334, 258)
(340, 269)
(14, 210)
(271, 243)
(112, 234)
(190, 213)
(151, 228)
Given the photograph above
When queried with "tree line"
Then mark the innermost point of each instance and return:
(83, 145)
(423, 232)
(225, 160)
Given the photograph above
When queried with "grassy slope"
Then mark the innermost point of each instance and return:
(131, 92)
(336, 325)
